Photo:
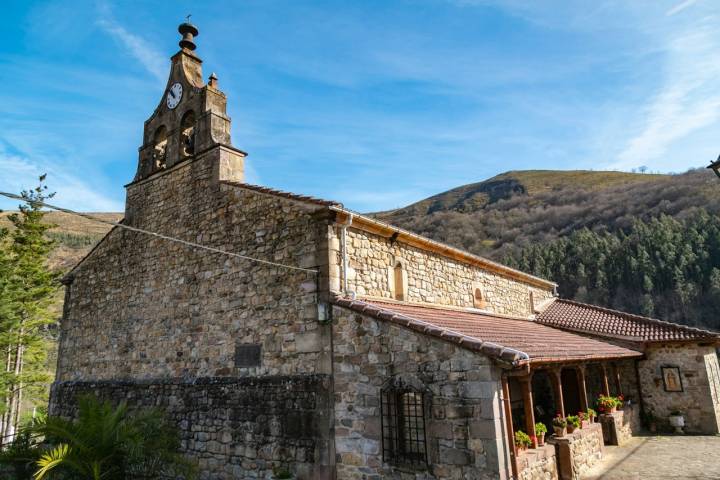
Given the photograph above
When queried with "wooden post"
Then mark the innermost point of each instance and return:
(526, 384)
(616, 378)
(556, 378)
(605, 384)
(509, 426)
(582, 387)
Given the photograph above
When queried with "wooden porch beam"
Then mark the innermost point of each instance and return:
(509, 426)
(616, 378)
(555, 376)
(605, 384)
(582, 387)
(527, 394)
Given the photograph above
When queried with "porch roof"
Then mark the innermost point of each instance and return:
(590, 319)
(515, 341)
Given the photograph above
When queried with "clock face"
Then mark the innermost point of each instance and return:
(174, 95)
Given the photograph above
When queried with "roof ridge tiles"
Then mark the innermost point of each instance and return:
(475, 331)
(488, 348)
(282, 193)
(632, 316)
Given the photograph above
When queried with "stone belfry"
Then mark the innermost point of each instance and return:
(191, 119)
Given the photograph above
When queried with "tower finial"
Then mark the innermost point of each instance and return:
(189, 32)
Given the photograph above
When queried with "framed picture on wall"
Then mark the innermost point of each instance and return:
(671, 379)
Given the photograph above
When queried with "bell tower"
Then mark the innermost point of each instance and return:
(191, 118)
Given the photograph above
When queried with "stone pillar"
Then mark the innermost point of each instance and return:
(557, 389)
(581, 386)
(527, 394)
(605, 385)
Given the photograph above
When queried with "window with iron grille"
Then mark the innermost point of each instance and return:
(403, 427)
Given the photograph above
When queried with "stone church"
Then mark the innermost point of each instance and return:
(335, 346)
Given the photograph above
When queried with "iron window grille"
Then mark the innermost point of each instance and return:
(403, 427)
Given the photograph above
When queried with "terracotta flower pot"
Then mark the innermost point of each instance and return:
(570, 428)
(613, 409)
(560, 432)
(541, 439)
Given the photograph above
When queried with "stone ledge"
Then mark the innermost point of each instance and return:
(578, 451)
(537, 463)
(616, 427)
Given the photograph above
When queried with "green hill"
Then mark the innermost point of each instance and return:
(505, 213)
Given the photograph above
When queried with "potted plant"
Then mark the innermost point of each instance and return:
(608, 404)
(677, 420)
(560, 426)
(573, 422)
(583, 420)
(540, 431)
(282, 473)
(591, 414)
(522, 440)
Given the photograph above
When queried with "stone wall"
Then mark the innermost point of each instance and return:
(538, 464)
(431, 278)
(233, 428)
(578, 451)
(143, 307)
(700, 399)
(464, 419)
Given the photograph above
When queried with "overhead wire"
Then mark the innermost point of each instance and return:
(155, 234)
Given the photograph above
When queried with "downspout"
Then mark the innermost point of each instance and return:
(343, 241)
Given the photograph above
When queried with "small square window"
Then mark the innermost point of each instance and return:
(403, 428)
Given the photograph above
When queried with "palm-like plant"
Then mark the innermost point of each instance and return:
(109, 443)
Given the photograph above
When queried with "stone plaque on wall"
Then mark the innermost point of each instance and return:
(247, 355)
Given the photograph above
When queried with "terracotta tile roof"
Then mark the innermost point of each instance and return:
(510, 340)
(280, 193)
(581, 317)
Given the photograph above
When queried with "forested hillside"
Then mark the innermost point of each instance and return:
(647, 244)
(666, 268)
(501, 215)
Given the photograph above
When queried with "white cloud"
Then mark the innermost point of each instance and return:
(688, 100)
(21, 173)
(680, 7)
(153, 61)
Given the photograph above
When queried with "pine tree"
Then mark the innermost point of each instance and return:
(27, 288)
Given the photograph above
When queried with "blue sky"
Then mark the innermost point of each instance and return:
(373, 103)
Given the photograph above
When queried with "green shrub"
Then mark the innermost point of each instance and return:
(540, 428)
(104, 442)
(522, 439)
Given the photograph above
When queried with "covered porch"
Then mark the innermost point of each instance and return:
(543, 390)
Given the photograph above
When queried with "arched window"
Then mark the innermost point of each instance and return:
(187, 134)
(399, 283)
(403, 426)
(159, 155)
(478, 298)
(532, 303)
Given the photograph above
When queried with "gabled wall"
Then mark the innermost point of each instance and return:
(225, 345)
